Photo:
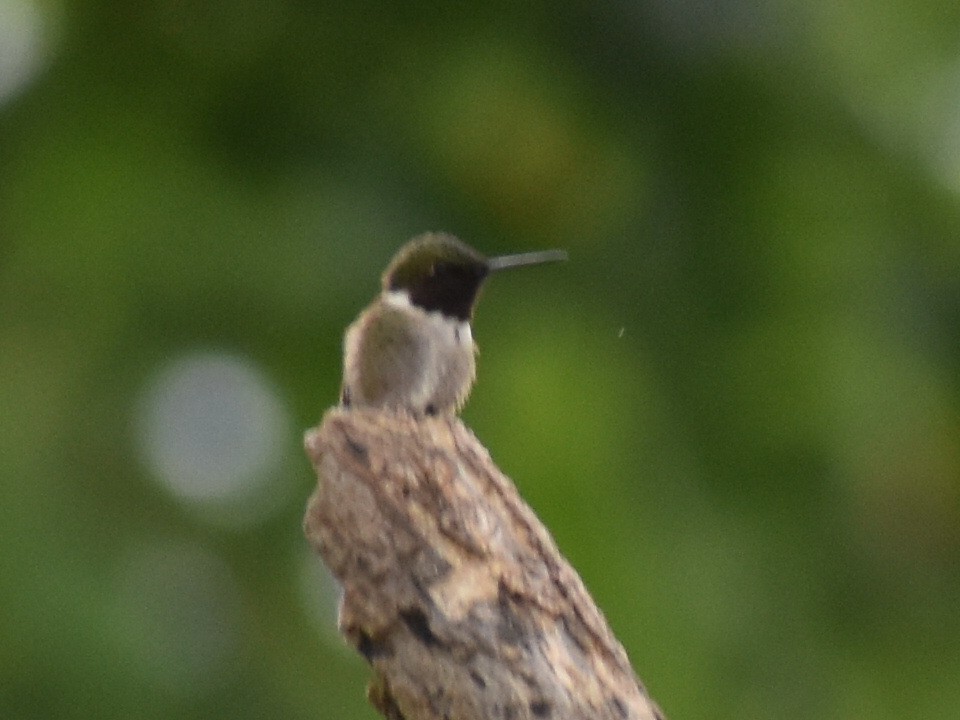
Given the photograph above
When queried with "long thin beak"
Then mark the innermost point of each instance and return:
(505, 262)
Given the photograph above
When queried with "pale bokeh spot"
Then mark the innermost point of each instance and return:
(215, 434)
(24, 42)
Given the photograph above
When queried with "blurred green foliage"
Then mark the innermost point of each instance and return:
(736, 406)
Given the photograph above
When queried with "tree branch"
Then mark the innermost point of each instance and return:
(454, 591)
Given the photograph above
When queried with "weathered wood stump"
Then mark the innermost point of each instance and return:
(454, 591)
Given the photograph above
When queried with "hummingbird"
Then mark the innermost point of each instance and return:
(412, 348)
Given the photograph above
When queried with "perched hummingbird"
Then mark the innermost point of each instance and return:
(412, 348)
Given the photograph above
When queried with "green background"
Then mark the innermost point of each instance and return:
(736, 406)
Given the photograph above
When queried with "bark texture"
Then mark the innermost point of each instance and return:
(454, 591)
